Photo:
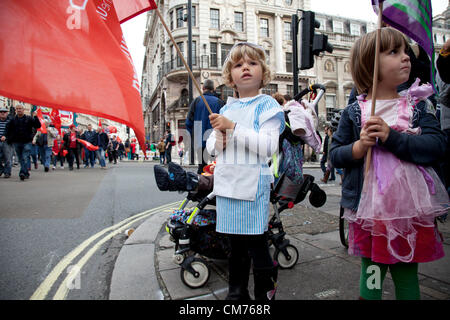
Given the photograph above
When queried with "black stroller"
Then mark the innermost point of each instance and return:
(194, 235)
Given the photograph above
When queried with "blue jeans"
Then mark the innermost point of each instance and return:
(5, 158)
(33, 154)
(46, 153)
(101, 156)
(23, 151)
(89, 157)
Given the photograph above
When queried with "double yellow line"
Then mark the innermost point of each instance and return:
(108, 233)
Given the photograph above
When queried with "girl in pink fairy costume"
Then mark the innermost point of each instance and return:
(392, 215)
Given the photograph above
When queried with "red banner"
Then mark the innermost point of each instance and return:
(70, 54)
(88, 145)
(128, 9)
(43, 127)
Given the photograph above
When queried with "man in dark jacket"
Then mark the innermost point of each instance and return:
(101, 140)
(197, 121)
(19, 133)
(89, 156)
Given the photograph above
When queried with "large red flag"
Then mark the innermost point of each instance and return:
(70, 54)
(128, 9)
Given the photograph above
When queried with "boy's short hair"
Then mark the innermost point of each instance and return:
(362, 55)
(253, 51)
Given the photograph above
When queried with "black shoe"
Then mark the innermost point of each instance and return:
(7, 176)
(71, 168)
(46, 169)
(238, 275)
(22, 177)
(265, 283)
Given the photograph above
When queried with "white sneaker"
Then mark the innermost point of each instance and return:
(62, 167)
(53, 168)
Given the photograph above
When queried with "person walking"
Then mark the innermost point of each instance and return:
(168, 143)
(89, 156)
(44, 141)
(101, 140)
(5, 148)
(72, 146)
(58, 152)
(19, 133)
(162, 151)
(197, 121)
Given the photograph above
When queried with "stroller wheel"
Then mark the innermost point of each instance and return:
(200, 276)
(286, 262)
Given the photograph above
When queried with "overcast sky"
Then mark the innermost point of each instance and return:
(358, 9)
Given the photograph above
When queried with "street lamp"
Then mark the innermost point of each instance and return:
(191, 96)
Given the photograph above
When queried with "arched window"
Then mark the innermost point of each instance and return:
(224, 92)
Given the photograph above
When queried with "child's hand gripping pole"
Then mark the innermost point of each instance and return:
(182, 59)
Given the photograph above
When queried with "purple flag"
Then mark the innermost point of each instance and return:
(414, 18)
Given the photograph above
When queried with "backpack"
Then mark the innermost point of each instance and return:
(40, 141)
(290, 146)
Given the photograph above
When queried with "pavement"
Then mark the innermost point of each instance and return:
(144, 269)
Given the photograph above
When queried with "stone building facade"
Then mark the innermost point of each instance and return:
(217, 26)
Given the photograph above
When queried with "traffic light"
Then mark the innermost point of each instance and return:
(311, 43)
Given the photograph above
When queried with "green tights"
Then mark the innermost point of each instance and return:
(404, 275)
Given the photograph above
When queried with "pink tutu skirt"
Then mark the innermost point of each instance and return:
(395, 221)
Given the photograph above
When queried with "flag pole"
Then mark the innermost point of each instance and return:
(375, 78)
(184, 61)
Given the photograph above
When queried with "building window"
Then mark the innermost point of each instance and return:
(226, 48)
(267, 56)
(270, 89)
(355, 29)
(171, 19)
(329, 66)
(287, 31)
(330, 103)
(180, 19)
(239, 21)
(172, 59)
(288, 61)
(194, 53)
(179, 61)
(193, 16)
(288, 2)
(224, 92)
(371, 27)
(264, 27)
(338, 26)
(215, 18)
(322, 22)
(213, 53)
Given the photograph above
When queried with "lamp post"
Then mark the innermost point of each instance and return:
(191, 96)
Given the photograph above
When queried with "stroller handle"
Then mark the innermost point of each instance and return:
(311, 88)
(202, 204)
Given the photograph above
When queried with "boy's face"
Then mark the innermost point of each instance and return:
(395, 66)
(246, 75)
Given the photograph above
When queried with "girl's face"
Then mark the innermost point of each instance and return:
(247, 76)
(395, 66)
